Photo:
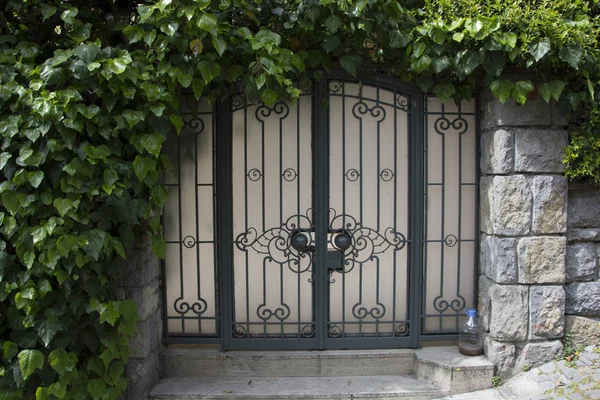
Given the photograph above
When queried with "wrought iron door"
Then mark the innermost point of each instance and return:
(324, 218)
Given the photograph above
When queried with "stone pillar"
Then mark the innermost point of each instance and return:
(583, 269)
(142, 283)
(523, 223)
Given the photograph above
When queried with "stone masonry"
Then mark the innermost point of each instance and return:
(142, 283)
(523, 222)
(582, 269)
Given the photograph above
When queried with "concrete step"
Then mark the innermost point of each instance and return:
(339, 387)
(206, 362)
(441, 367)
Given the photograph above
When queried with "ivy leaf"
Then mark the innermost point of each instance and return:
(35, 178)
(29, 361)
(331, 43)
(590, 86)
(196, 46)
(268, 97)
(169, 28)
(116, 66)
(133, 117)
(571, 54)
(29, 258)
(69, 15)
(63, 206)
(458, 37)
(539, 49)
(141, 166)
(333, 23)
(66, 243)
(87, 52)
(152, 143)
(207, 22)
(351, 63)
(551, 89)
(60, 361)
(159, 247)
(96, 387)
(4, 157)
(47, 11)
(48, 328)
(198, 88)
(511, 39)
(399, 40)
(208, 70)
(494, 63)
(10, 350)
(177, 121)
(440, 63)
(444, 91)
(95, 238)
(219, 45)
(502, 89)
(521, 90)
(57, 389)
(421, 64)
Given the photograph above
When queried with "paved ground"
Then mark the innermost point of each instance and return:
(557, 380)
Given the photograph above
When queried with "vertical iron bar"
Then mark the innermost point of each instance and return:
(198, 266)
(217, 294)
(180, 228)
(224, 215)
(298, 175)
(246, 255)
(394, 255)
(459, 240)
(443, 219)
(321, 179)
(343, 83)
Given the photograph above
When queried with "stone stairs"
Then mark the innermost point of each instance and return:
(197, 372)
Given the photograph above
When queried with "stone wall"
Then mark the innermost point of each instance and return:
(523, 223)
(582, 269)
(142, 283)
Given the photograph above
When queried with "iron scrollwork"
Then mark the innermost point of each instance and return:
(365, 242)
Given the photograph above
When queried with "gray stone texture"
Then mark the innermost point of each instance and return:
(584, 209)
(583, 235)
(509, 312)
(141, 283)
(497, 155)
(549, 204)
(496, 114)
(143, 375)
(536, 353)
(583, 298)
(581, 262)
(584, 331)
(499, 255)
(506, 204)
(546, 312)
(540, 150)
(501, 354)
(483, 302)
(541, 259)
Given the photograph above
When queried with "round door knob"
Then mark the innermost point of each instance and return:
(299, 241)
(342, 241)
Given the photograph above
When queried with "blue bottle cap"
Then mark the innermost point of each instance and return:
(471, 312)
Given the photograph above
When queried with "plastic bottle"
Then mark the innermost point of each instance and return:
(470, 337)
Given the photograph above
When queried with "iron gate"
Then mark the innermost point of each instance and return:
(322, 215)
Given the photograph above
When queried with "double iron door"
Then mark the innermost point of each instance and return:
(323, 222)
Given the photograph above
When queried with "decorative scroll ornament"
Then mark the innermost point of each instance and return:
(183, 307)
(443, 124)
(441, 305)
(276, 243)
(401, 329)
(360, 311)
(365, 243)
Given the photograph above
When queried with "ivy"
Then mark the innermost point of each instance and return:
(90, 90)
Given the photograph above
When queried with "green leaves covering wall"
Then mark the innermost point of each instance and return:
(90, 90)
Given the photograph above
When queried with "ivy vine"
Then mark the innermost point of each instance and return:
(90, 89)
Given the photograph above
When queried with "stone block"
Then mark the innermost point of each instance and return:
(583, 331)
(542, 259)
(506, 204)
(143, 266)
(146, 297)
(143, 375)
(540, 150)
(537, 353)
(581, 262)
(483, 302)
(584, 209)
(145, 340)
(561, 113)
(583, 298)
(509, 312)
(501, 354)
(549, 204)
(583, 235)
(499, 257)
(497, 152)
(546, 312)
(496, 114)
